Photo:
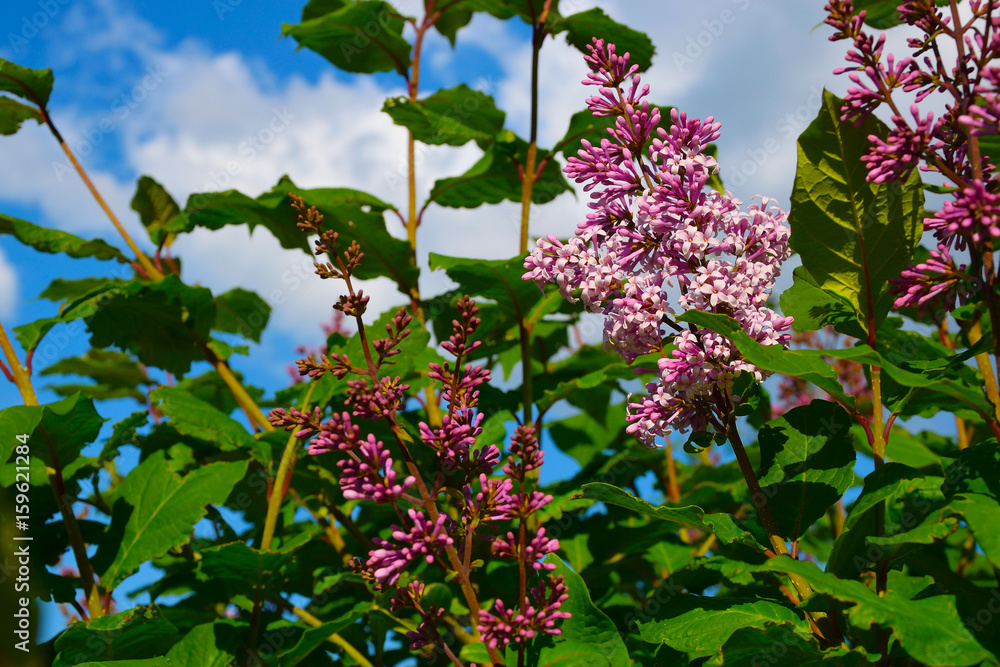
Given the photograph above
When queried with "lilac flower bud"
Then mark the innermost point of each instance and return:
(370, 476)
(492, 503)
(938, 280)
(425, 539)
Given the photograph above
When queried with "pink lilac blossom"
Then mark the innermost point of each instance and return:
(970, 220)
(656, 225)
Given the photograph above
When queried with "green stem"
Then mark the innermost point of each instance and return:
(759, 500)
(335, 638)
(278, 490)
(147, 266)
(91, 583)
(528, 176)
(413, 219)
(250, 408)
(153, 273)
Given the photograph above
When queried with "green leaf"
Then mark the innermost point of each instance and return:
(194, 417)
(929, 629)
(160, 322)
(814, 308)
(700, 625)
(64, 427)
(111, 370)
(723, 525)
(138, 633)
(976, 470)
(805, 364)
(13, 113)
(588, 637)
(358, 216)
(33, 85)
(158, 211)
(807, 463)
(313, 638)
(157, 510)
(505, 9)
(208, 645)
(47, 240)
(452, 19)
(62, 290)
(779, 644)
(317, 8)
(498, 280)
(811, 366)
(476, 653)
(17, 420)
(212, 389)
(242, 312)
(582, 27)
(892, 483)
(454, 117)
(882, 14)
(125, 432)
(601, 377)
(948, 375)
(244, 569)
(31, 334)
(938, 525)
(982, 514)
(906, 448)
(273, 211)
(853, 235)
(224, 350)
(494, 431)
(363, 37)
(495, 178)
(159, 661)
(585, 436)
(355, 216)
(989, 146)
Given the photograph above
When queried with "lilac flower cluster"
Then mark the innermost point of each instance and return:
(656, 225)
(426, 532)
(506, 625)
(970, 220)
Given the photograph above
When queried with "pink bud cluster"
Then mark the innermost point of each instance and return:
(506, 625)
(657, 229)
(426, 533)
(969, 85)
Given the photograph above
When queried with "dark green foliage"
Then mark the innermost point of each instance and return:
(664, 552)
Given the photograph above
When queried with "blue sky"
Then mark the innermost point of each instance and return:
(173, 90)
(181, 85)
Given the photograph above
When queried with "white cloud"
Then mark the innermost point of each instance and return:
(197, 120)
(9, 287)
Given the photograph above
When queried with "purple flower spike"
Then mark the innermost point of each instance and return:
(370, 476)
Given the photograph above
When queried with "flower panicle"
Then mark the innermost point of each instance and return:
(657, 226)
(970, 219)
